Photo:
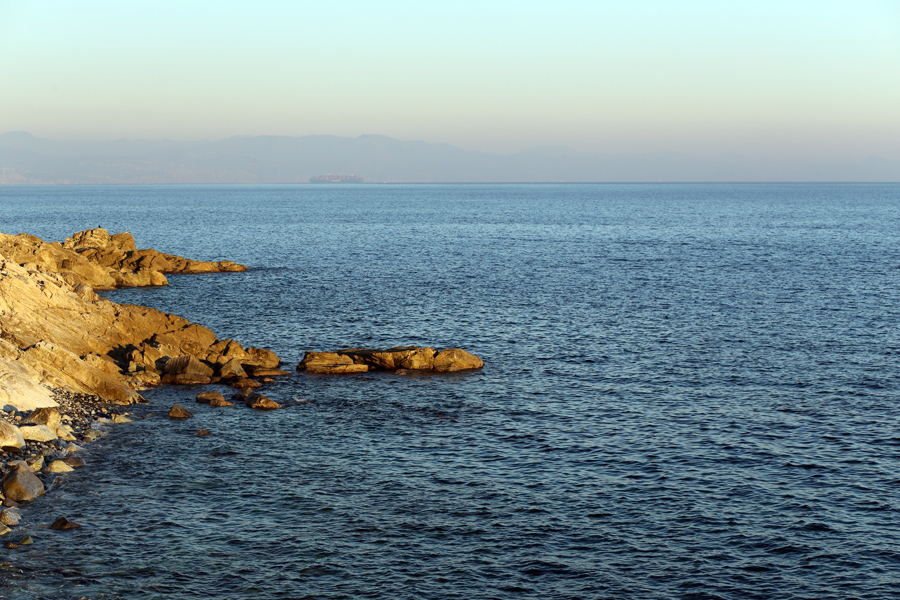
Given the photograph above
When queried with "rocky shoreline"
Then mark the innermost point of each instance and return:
(70, 360)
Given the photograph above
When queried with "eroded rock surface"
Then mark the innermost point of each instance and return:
(413, 358)
(56, 332)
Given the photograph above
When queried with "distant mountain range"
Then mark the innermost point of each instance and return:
(25, 159)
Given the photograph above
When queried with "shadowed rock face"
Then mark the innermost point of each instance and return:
(413, 358)
(55, 331)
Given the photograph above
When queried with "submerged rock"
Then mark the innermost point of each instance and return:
(179, 412)
(62, 524)
(260, 402)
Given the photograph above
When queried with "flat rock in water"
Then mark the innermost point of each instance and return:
(334, 368)
(10, 436)
(179, 412)
(405, 358)
(208, 397)
(266, 372)
(456, 359)
(260, 402)
(21, 485)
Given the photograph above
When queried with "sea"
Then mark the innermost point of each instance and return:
(690, 391)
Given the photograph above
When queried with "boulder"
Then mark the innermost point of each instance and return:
(208, 397)
(232, 368)
(21, 485)
(245, 384)
(260, 402)
(37, 433)
(187, 365)
(179, 412)
(262, 358)
(329, 363)
(456, 359)
(62, 524)
(44, 416)
(220, 402)
(10, 436)
(59, 466)
(9, 517)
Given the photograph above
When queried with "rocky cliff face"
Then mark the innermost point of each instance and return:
(56, 332)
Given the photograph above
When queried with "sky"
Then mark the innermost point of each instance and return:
(795, 78)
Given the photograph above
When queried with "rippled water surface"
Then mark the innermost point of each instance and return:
(690, 391)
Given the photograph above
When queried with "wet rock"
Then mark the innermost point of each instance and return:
(118, 419)
(256, 371)
(456, 359)
(219, 402)
(202, 432)
(10, 436)
(4, 529)
(9, 517)
(59, 466)
(63, 524)
(260, 402)
(73, 461)
(179, 412)
(21, 485)
(245, 384)
(37, 433)
(208, 397)
(26, 541)
(262, 358)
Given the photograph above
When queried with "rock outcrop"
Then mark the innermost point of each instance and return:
(55, 332)
(414, 358)
(103, 261)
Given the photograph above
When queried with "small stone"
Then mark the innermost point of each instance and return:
(9, 502)
(121, 419)
(62, 524)
(26, 541)
(35, 463)
(73, 461)
(4, 529)
(179, 412)
(260, 402)
(202, 432)
(222, 402)
(208, 397)
(12, 545)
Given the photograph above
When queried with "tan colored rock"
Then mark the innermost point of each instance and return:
(232, 368)
(456, 359)
(66, 433)
(21, 485)
(185, 379)
(35, 463)
(333, 369)
(219, 402)
(9, 517)
(10, 436)
(48, 416)
(179, 412)
(59, 466)
(260, 402)
(245, 384)
(187, 365)
(118, 419)
(256, 371)
(262, 358)
(37, 433)
(208, 397)
(405, 357)
(73, 461)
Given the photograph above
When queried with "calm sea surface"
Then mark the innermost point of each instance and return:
(690, 391)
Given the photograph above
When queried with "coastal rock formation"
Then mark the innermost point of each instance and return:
(55, 332)
(103, 261)
(360, 360)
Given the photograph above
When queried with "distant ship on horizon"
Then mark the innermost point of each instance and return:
(336, 179)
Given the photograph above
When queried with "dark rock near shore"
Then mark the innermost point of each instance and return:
(63, 524)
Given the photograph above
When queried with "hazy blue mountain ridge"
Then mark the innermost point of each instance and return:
(26, 159)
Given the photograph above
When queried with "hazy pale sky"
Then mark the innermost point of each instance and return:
(814, 78)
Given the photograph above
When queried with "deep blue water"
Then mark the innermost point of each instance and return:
(690, 391)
